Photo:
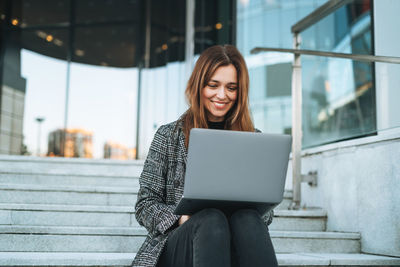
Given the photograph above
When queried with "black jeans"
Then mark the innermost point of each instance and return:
(214, 238)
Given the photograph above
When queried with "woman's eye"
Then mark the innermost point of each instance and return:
(212, 85)
(232, 88)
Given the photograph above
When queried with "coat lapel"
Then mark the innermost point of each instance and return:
(182, 146)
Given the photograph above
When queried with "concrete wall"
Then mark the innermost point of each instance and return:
(359, 185)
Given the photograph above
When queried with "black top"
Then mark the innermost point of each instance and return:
(219, 125)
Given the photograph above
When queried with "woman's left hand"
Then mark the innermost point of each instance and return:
(183, 219)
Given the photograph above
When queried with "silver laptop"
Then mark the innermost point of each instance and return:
(233, 170)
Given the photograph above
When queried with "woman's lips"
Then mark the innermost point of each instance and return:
(219, 104)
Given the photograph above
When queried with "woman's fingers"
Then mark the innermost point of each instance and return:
(183, 219)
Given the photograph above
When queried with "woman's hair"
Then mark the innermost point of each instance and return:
(238, 117)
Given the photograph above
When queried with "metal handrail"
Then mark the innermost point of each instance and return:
(357, 57)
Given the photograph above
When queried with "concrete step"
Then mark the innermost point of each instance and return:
(67, 215)
(124, 216)
(313, 220)
(70, 239)
(66, 179)
(315, 242)
(335, 259)
(70, 166)
(299, 220)
(73, 195)
(125, 259)
(128, 239)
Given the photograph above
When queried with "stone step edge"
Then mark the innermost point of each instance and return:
(16, 158)
(125, 259)
(131, 209)
(315, 213)
(73, 230)
(140, 231)
(66, 208)
(69, 188)
(81, 175)
(72, 188)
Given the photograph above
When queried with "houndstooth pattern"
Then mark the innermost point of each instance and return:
(161, 188)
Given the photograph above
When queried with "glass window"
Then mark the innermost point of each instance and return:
(34, 13)
(213, 24)
(338, 94)
(268, 24)
(72, 72)
(33, 76)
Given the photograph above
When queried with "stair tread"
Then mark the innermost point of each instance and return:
(66, 207)
(104, 230)
(72, 230)
(125, 259)
(69, 188)
(102, 208)
(300, 213)
(316, 234)
(24, 159)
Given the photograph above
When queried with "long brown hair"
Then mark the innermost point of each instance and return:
(238, 117)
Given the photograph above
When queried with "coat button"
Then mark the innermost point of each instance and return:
(177, 183)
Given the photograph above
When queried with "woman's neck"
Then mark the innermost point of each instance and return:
(216, 125)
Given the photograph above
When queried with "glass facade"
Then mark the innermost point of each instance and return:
(338, 94)
(71, 72)
(267, 24)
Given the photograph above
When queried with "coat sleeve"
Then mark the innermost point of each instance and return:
(268, 216)
(152, 212)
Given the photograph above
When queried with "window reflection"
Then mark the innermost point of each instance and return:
(70, 78)
(45, 97)
(267, 24)
(339, 94)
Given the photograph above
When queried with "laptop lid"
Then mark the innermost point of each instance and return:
(236, 166)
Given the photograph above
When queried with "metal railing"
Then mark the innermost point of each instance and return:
(303, 24)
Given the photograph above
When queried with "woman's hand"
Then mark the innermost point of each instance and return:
(183, 219)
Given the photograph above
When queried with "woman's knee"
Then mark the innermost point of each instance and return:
(213, 220)
(246, 218)
(212, 216)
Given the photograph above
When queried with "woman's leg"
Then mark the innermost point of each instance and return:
(203, 240)
(250, 239)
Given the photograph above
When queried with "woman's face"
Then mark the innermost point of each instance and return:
(220, 93)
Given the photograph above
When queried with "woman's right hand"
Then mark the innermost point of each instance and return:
(183, 219)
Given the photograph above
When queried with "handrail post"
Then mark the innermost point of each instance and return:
(296, 124)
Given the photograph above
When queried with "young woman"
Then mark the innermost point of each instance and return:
(217, 93)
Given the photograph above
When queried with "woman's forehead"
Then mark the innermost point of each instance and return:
(225, 74)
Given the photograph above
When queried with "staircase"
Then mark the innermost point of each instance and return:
(79, 212)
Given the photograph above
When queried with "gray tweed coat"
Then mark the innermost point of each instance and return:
(161, 187)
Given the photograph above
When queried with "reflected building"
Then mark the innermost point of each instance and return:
(12, 101)
(78, 143)
(114, 150)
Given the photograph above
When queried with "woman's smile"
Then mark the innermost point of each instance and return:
(219, 104)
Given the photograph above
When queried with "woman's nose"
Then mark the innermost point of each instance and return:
(221, 92)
